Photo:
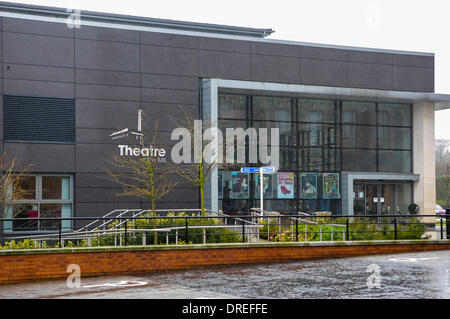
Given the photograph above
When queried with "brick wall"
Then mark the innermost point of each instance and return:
(18, 267)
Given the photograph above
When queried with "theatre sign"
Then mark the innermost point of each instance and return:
(127, 150)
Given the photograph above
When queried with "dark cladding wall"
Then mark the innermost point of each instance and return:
(111, 72)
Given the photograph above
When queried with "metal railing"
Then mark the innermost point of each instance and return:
(264, 227)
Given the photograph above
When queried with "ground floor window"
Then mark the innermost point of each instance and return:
(47, 196)
(284, 192)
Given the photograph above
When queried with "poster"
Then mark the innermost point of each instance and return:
(240, 182)
(308, 186)
(331, 186)
(220, 186)
(285, 185)
(268, 186)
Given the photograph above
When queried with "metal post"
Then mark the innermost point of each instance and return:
(204, 236)
(447, 221)
(332, 234)
(186, 231)
(261, 186)
(296, 229)
(243, 231)
(442, 228)
(306, 232)
(60, 234)
(395, 228)
(126, 233)
(144, 239)
(347, 230)
(176, 237)
(320, 233)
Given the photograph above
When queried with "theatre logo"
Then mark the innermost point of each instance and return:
(127, 150)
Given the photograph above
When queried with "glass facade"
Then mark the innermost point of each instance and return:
(319, 139)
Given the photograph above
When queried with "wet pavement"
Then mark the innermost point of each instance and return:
(411, 275)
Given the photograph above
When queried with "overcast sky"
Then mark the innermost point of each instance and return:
(399, 25)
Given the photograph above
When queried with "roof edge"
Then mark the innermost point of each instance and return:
(56, 12)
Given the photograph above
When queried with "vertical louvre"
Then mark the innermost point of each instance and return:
(38, 119)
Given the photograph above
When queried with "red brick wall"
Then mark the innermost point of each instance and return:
(24, 268)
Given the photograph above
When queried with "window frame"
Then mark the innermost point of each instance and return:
(38, 201)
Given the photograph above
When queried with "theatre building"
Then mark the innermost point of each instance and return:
(356, 125)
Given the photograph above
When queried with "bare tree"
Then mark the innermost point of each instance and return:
(11, 186)
(144, 176)
(198, 172)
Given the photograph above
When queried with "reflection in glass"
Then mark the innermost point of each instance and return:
(404, 198)
(311, 134)
(28, 185)
(318, 159)
(232, 106)
(395, 161)
(359, 113)
(267, 108)
(394, 114)
(394, 138)
(286, 132)
(50, 211)
(357, 136)
(359, 160)
(317, 111)
(28, 212)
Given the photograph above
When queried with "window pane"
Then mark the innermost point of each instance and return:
(51, 187)
(284, 206)
(395, 161)
(317, 111)
(394, 138)
(232, 106)
(318, 135)
(272, 108)
(311, 206)
(404, 198)
(50, 211)
(286, 132)
(357, 136)
(394, 114)
(359, 113)
(359, 160)
(318, 160)
(28, 186)
(29, 212)
(288, 158)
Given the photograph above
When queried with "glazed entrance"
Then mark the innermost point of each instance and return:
(381, 198)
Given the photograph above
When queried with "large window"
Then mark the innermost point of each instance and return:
(47, 196)
(317, 137)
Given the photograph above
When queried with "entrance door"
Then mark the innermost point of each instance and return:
(387, 192)
(372, 199)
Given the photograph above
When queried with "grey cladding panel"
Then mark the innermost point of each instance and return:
(168, 60)
(227, 65)
(107, 34)
(37, 27)
(109, 56)
(38, 50)
(275, 69)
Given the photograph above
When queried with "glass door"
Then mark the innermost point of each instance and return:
(372, 199)
(386, 199)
